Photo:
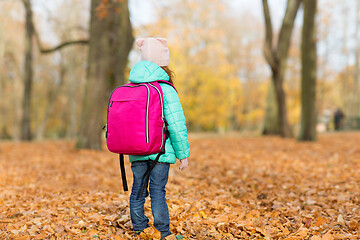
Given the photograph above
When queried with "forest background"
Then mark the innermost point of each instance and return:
(216, 52)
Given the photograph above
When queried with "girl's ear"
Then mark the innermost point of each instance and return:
(140, 41)
(163, 41)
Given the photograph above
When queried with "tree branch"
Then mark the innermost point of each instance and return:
(286, 29)
(62, 45)
(56, 48)
(268, 49)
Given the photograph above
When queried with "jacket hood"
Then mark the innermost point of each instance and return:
(146, 71)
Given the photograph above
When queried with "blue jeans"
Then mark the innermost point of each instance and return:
(158, 179)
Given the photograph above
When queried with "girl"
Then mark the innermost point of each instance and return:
(154, 66)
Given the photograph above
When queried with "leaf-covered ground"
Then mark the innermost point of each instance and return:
(234, 188)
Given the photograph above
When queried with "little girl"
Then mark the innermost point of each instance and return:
(153, 67)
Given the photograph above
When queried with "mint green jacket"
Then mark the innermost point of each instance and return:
(177, 145)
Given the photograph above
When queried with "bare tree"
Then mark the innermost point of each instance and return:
(277, 56)
(357, 66)
(28, 72)
(308, 82)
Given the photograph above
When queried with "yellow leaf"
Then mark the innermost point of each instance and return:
(203, 214)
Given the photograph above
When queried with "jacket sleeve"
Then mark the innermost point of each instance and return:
(174, 115)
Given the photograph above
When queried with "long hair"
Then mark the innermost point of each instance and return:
(170, 73)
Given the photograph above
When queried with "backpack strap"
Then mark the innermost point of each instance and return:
(147, 174)
(167, 82)
(123, 174)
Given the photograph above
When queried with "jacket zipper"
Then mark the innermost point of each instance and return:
(147, 108)
(162, 115)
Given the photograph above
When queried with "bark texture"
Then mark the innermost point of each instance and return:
(308, 73)
(271, 124)
(28, 74)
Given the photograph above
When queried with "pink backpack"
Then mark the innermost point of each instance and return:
(136, 123)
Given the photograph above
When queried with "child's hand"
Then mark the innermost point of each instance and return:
(184, 164)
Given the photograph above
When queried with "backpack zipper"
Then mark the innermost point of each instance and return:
(162, 115)
(147, 107)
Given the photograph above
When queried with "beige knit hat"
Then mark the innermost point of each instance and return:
(154, 50)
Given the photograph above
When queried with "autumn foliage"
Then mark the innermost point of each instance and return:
(107, 6)
(235, 188)
(216, 54)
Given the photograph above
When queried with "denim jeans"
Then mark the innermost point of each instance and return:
(158, 179)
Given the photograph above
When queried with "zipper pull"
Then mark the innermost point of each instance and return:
(111, 103)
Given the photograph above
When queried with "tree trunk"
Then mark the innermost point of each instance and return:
(110, 42)
(52, 97)
(308, 73)
(277, 58)
(71, 92)
(346, 78)
(284, 126)
(28, 73)
(357, 67)
(121, 44)
(2, 87)
(271, 124)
